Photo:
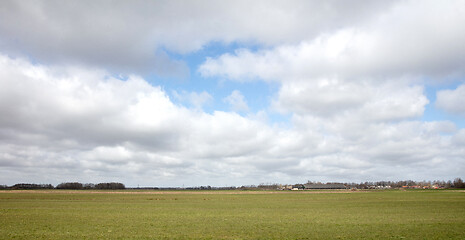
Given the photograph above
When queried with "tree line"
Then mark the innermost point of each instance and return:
(456, 183)
(65, 185)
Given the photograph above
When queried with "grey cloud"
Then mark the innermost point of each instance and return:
(452, 100)
(128, 36)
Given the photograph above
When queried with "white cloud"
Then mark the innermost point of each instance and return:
(363, 101)
(322, 97)
(362, 74)
(411, 39)
(197, 100)
(394, 102)
(83, 125)
(102, 125)
(452, 101)
(237, 101)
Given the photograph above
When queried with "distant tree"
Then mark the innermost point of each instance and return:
(268, 186)
(458, 183)
(47, 186)
(111, 185)
(27, 186)
(448, 184)
(89, 186)
(3, 186)
(247, 187)
(70, 185)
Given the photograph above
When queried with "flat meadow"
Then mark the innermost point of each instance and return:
(392, 214)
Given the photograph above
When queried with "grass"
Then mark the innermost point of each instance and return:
(223, 215)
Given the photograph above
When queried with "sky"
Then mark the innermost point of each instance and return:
(231, 93)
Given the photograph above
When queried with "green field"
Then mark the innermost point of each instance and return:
(54, 214)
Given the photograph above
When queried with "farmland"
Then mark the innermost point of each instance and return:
(394, 214)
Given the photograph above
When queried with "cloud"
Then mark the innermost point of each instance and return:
(130, 37)
(354, 83)
(367, 73)
(91, 122)
(452, 100)
(408, 40)
(237, 101)
(75, 124)
(365, 101)
(197, 100)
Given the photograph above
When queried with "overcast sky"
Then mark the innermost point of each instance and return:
(231, 93)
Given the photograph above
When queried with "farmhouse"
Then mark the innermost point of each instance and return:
(324, 186)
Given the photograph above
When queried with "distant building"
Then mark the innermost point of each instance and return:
(324, 186)
(285, 187)
(298, 187)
